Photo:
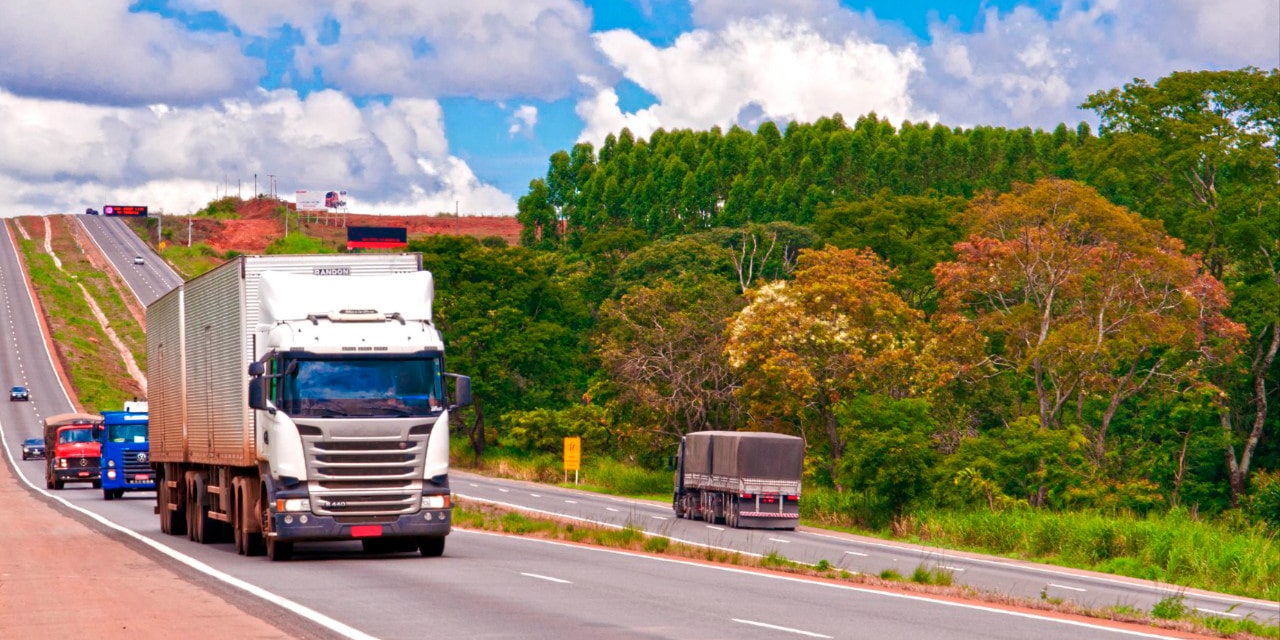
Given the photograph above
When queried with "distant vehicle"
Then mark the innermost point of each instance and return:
(19, 393)
(742, 479)
(72, 449)
(138, 260)
(91, 211)
(33, 448)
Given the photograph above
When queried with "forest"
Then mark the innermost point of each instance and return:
(969, 318)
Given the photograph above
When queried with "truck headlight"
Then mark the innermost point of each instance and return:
(62, 463)
(435, 502)
(111, 474)
(285, 505)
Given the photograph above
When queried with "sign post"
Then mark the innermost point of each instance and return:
(572, 457)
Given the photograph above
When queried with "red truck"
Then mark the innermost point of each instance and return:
(72, 450)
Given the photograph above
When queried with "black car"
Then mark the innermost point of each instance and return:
(19, 393)
(32, 448)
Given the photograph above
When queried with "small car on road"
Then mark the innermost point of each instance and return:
(19, 393)
(33, 448)
(138, 260)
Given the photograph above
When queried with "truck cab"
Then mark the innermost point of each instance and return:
(126, 452)
(72, 449)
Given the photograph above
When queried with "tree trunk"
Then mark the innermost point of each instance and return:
(1238, 468)
(476, 433)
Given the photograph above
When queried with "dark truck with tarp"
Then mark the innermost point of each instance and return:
(742, 479)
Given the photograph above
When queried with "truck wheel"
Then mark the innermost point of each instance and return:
(108, 494)
(207, 529)
(172, 522)
(731, 515)
(431, 547)
(57, 485)
(97, 484)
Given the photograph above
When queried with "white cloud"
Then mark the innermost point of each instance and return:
(523, 120)
(777, 69)
(96, 51)
(1021, 69)
(488, 49)
(392, 158)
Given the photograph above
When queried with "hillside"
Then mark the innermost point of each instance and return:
(259, 223)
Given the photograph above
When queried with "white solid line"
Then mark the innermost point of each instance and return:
(1218, 613)
(777, 628)
(548, 578)
(855, 553)
(780, 540)
(1063, 586)
(250, 588)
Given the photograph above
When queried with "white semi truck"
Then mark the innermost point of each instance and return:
(302, 398)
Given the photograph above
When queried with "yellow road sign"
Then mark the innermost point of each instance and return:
(572, 453)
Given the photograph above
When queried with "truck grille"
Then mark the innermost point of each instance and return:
(133, 467)
(364, 469)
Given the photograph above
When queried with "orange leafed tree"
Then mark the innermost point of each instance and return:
(1092, 301)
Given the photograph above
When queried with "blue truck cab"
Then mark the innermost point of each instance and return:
(126, 452)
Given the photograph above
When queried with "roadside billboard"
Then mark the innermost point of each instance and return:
(377, 238)
(315, 200)
(124, 210)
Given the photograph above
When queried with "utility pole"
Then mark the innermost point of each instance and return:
(189, 218)
(255, 186)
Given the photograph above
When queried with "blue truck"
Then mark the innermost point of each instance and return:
(126, 452)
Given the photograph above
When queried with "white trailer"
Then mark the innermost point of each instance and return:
(302, 398)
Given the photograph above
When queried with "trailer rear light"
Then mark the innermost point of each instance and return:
(288, 505)
(793, 498)
(746, 495)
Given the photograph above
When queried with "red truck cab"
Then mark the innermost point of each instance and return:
(72, 449)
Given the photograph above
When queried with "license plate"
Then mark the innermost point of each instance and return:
(84, 474)
(142, 477)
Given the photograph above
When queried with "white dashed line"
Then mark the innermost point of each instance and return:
(1062, 586)
(777, 628)
(547, 578)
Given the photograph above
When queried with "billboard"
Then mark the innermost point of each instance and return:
(123, 210)
(313, 200)
(377, 238)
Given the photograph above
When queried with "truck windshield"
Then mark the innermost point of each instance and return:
(67, 436)
(352, 387)
(134, 432)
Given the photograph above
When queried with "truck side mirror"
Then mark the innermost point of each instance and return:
(462, 391)
(256, 369)
(257, 392)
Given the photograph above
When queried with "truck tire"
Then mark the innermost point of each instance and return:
(206, 529)
(172, 522)
(108, 494)
(431, 547)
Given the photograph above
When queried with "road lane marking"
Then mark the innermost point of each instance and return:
(534, 495)
(716, 528)
(610, 509)
(1063, 586)
(778, 628)
(855, 553)
(1218, 613)
(658, 517)
(504, 490)
(948, 567)
(547, 578)
(572, 501)
(780, 540)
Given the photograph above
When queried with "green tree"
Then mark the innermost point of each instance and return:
(510, 323)
(1201, 151)
(836, 331)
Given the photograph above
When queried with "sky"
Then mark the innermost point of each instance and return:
(431, 106)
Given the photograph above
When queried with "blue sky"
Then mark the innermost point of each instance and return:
(419, 107)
